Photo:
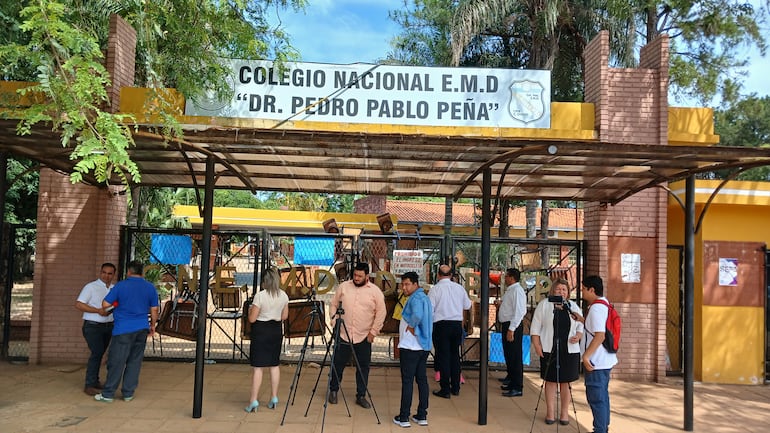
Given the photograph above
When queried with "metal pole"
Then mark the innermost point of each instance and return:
(446, 253)
(689, 299)
(203, 287)
(486, 223)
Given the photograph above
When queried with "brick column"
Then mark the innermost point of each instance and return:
(374, 204)
(631, 106)
(78, 229)
(120, 59)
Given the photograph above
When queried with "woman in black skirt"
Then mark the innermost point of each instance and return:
(268, 309)
(555, 334)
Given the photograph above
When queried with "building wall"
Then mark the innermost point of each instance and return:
(631, 106)
(728, 320)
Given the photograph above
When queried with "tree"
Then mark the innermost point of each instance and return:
(181, 43)
(425, 40)
(747, 123)
(707, 38)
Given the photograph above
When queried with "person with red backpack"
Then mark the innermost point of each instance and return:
(597, 360)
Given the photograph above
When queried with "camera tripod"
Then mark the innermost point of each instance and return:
(556, 349)
(332, 347)
(316, 321)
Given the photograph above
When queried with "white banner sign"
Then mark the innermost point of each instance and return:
(405, 261)
(403, 95)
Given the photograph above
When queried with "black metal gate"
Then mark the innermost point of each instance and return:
(767, 314)
(172, 261)
(540, 263)
(18, 288)
(674, 310)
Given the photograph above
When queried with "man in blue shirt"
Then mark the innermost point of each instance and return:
(414, 344)
(132, 299)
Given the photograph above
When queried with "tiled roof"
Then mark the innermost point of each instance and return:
(463, 214)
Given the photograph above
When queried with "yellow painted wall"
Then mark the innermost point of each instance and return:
(729, 341)
(281, 219)
(733, 345)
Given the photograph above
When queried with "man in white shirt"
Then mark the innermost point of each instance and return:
(597, 362)
(97, 324)
(449, 300)
(512, 309)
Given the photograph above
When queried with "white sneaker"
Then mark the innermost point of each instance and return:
(103, 399)
(397, 421)
(419, 421)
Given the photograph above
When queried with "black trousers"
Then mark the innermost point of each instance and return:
(342, 356)
(447, 338)
(512, 352)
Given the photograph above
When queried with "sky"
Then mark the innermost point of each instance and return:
(352, 31)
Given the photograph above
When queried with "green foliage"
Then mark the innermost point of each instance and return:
(747, 124)
(180, 43)
(708, 38)
(72, 81)
(21, 197)
(708, 43)
(425, 38)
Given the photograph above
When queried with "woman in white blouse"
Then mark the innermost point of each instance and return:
(555, 333)
(268, 310)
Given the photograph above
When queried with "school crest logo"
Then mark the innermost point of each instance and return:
(527, 102)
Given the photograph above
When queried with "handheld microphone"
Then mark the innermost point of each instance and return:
(111, 307)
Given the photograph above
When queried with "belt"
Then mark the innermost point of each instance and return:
(91, 322)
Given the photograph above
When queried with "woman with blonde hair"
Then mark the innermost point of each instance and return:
(269, 308)
(555, 333)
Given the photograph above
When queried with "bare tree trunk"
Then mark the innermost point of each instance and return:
(504, 230)
(133, 212)
(531, 212)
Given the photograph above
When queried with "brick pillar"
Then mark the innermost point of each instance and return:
(374, 204)
(78, 229)
(631, 106)
(120, 59)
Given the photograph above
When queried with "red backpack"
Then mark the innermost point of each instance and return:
(612, 333)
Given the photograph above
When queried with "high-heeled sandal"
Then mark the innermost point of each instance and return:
(252, 407)
(273, 403)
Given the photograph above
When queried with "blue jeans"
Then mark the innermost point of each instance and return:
(97, 337)
(413, 365)
(124, 362)
(598, 396)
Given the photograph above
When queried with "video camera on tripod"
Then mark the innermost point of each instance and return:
(560, 300)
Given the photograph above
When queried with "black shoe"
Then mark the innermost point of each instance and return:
(361, 401)
(397, 420)
(332, 397)
(441, 394)
(506, 387)
(456, 393)
(512, 393)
